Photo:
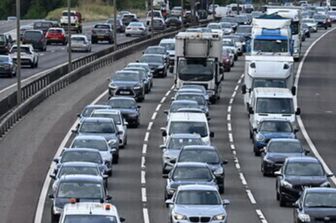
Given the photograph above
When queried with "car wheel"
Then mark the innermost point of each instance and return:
(32, 64)
(125, 142)
(221, 188)
(127, 34)
(277, 195)
(251, 134)
(325, 27)
(256, 150)
(115, 159)
(54, 218)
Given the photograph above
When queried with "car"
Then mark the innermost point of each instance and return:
(194, 96)
(185, 173)
(269, 129)
(195, 88)
(105, 127)
(176, 11)
(156, 14)
(177, 105)
(240, 42)
(102, 32)
(87, 111)
(215, 27)
(173, 21)
(232, 20)
(188, 18)
(77, 168)
(332, 16)
(7, 66)
(24, 28)
(145, 79)
(315, 205)
(229, 43)
(275, 153)
(27, 53)
(90, 212)
(128, 18)
(6, 43)
(95, 142)
(311, 23)
(36, 38)
(136, 28)
(119, 121)
(120, 26)
(157, 64)
(202, 13)
(56, 35)
(158, 24)
(228, 59)
(205, 154)
(44, 25)
(296, 174)
(83, 155)
(121, 13)
(305, 30)
(160, 50)
(226, 28)
(127, 83)
(128, 108)
(197, 203)
(80, 187)
(169, 44)
(173, 146)
(80, 42)
(321, 20)
(146, 67)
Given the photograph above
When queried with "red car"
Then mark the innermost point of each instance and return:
(228, 59)
(56, 35)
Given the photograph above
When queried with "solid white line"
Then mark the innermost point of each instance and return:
(143, 195)
(250, 195)
(143, 177)
(146, 137)
(154, 115)
(143, 162)
(47, 180)
(163, 100)
(242, 178)
(144, 149)
(302, 127)
(145, 215)
(261, 216)
(158, 107)
(150, 124)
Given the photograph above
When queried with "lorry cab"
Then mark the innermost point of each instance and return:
(271, 103)
(267, 71)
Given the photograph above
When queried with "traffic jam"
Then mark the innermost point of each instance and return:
(269, 42)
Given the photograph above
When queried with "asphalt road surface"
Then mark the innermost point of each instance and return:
(28, 149)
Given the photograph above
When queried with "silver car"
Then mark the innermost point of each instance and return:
(119, 121)
(146, 67)
(136, 29)
(80, 43)
(197, 203)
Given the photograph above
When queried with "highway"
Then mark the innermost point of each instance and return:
(28, 149)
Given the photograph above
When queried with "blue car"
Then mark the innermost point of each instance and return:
(271, 129)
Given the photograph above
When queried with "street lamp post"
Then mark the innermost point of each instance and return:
(115, 24)
(152, 18)
(182, 12)
(69, 39)
(18, 60)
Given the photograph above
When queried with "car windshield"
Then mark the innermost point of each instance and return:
(285, 147)
(270, 45)
(123, 103)
(116, 117)
(174, 107)
(66, 14)
(244, 29)
(214, 26)
(32, 35)
(319, 17)
(178, 143)
(275, 105)
(81, 156)
(23, 50)
(4, 59)
(189, 127)
(168, 46)
(151, 59)
(192, 173)
(226, 25)
(227, 42)
(275, 126)
(275, 83)
(101, 26)
(55, 31)
(81, 170)
(90, 219)
(304, 169)
(320, 199)
(195, 69)
(155, 50)
(78, 39)
(308, 21)
(193, 97)
(80, 190)
(199, 155)
(97, 127)
(126, 76)
(201, 197)
(99, 144)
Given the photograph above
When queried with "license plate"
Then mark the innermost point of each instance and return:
(124, 92)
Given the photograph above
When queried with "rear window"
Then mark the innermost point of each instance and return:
(54, 31)
(100, 26)
(42, 25)
(66, 14)
(32, 35)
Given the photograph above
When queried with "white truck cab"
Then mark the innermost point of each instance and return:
(271, 103)
(90, 212)
(187, 122)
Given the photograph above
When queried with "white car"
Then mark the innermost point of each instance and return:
(176, 11)
(156, 14)
(311, 23)
(136, 28)
(28, 55)
(80, 43)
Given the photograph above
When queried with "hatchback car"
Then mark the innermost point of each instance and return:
(6, 42)
(87, 111)
(186, 173)
(296, 174)
(316, 205)
(36, 38)
(7, 66)
(102, 32)
(157, 50)
(136, 29)
(81, 43)
(228, 59)
(311, 23)
(27, 53)
(146, 67)
(120, 26)
(198, 97)
(144, 77)
(128, 108)
(197, 203)
(178, 105)
(157, 64)
(56, 35)
(173, 21)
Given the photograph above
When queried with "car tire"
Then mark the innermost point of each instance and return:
(36, 64)
(255, 150)
(32, 64)
(221, 188)
(325, 27)
(127, 34)
(115, 159)
(54, 218)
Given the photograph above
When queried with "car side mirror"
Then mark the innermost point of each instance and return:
(56, 160)
(263, 150)
(293, 90)
(163, 147)
(120, 132)
(108, 197)
(298, 111)
(78, 115)
(296, 205)
(306, 152)
(164, 132)
(139, 106)
(51, 196)
(52, 176)
(255, 129)
(105, 177)
(243, 89)
(226, 202)
(166, 112)
(250, 110)
(122, 219)
(330, 175)
(74, 131)
(125, 123)
(224, 162)
(296, 130)
(212, 134)
(169, 202)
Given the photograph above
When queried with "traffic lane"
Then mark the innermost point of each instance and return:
(28, 148)
(240, 210)
(7, 26)
(263, 188)
(316, 97)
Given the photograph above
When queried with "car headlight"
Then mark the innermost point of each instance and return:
(268, 160)
(219, 217)
(58, 210)
(112, 86)
(137, 87)
(180, 217)
(304, 217)
(325, 184)
(260, 137)
(286, 184)
(160, 67)
(112, 142)
(219, 171)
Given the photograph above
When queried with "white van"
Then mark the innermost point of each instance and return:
(271, 103)
(185, 122)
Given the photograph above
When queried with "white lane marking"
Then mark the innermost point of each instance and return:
(251, 197)
(144, 149)
(172, 87)
(300, 122)
(145, 215)
(238, 167)
(229, 127)
(236, 88)
(234, 95)
(158, 107)
(167, 93)
(232, 146)
(154, 115)
(143, 162)
(143, 195)
(146, 137)
(242, 178)
(47, 180)
(261, 216)
(230, 138)
(231, 101)
(150, 124)
(228, 117)
(143, 177)
(163, 100)
(229, 108)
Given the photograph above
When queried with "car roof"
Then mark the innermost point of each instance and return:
(107, 111)
(274, 120)
(186, 116)
(97, 106)
(197, 187)
(200, 147)
(96, 119)
(285, 140)
(95, 137)
(303, 159)
(79, 164)
(167, 40)
(81, 177)
(320, 190)
(184, 101)
(185, 135)
(152, 54)
(92, 208)
(272, 92)
(155, 47)
(126, 71)
(191, 164)
(80, 150)
(122, 97)
(140, 64)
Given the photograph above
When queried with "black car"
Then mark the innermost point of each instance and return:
(128, 107)
(296, 174)
(202, 13)
(127, 83)
(275, 153)
(120, 26)
(7, 66)
(144, 77)
(6, 42)
(244, 31)
(173, 21)
(316, 205)
(205, 154)
(157, 63)
(44, 25)
(102, 32)
(322, 20)
(157, 50)
(36, 38)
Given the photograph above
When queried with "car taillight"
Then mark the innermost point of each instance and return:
(227, 60)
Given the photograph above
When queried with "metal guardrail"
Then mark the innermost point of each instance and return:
(38, 90)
